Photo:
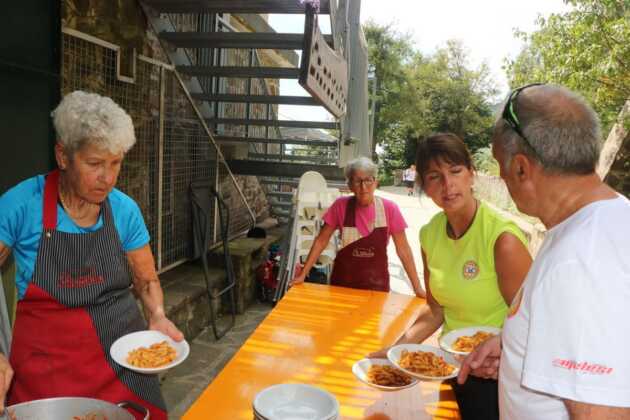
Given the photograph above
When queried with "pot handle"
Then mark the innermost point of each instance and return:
(135, 406)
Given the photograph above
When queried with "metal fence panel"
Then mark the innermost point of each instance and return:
(173, 146)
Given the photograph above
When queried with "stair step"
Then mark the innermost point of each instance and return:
(280, 204)
(257, 99)
(293, 158)
(279, 194)
(274, 123)
(241, 72)
(234, 6)
(320, 143)
(283, 169)
(244, 40)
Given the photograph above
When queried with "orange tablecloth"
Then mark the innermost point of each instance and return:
(314, 336)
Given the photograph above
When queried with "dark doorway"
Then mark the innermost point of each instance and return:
(30, 31)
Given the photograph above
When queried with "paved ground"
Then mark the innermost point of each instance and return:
(417, 211)
(183, 385)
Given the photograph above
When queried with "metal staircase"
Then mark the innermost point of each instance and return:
(216, 46)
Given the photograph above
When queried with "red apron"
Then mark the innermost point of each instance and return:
(362, 262)
(77, 304)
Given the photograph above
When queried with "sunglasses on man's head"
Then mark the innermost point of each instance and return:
(509, 114)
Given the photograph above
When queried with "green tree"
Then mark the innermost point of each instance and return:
(417, 95)
(586, 49)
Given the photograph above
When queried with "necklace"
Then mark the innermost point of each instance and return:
(449, 229)
(70, 212)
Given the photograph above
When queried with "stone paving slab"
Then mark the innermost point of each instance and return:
(183, 384)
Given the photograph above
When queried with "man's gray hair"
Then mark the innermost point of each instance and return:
(87, 118)
(562, 130)
(362, 164)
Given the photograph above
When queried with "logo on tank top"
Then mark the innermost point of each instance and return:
(363, 252)
(470, 270)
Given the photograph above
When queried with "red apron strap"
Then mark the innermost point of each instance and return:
(51, 188)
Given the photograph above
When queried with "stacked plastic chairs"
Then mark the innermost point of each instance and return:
(311, 200)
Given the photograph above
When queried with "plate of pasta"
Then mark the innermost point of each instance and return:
(464, 340)
(148, 351)
(424, 362)
(382, 374)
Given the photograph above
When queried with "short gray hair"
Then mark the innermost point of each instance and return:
(562, 129)
(361, 164)
(87, 118)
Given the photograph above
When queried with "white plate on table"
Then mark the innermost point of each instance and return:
(295, 401)
(362, 367)
(394, 353)
(121, 348)
(447, 340)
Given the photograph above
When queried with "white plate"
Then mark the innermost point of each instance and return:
(394, 353)
(362, 367)
(447, 340)
(295, 402)
(121, 348)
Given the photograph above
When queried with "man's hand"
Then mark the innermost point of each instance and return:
(483, 361)
(162, 324)
(6, 375)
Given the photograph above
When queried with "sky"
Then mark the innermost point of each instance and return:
(486, 28)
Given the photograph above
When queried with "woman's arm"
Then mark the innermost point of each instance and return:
(147, 285)
(431, 317)
(406, 257)
(319, 244)
(511, 262)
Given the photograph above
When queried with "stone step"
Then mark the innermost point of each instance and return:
(186, 298)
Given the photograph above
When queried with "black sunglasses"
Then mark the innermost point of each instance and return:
(509, 114)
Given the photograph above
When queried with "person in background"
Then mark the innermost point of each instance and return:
(79, 244)
(474, 262)
(366, 223)
(409, 179)
(564, 347)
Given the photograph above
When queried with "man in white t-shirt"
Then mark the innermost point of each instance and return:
(564, 350)
(409, 178)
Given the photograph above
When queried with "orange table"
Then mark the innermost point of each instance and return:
(314, 336)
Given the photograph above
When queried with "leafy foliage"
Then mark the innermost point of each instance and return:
(417, 95)
(586, 49)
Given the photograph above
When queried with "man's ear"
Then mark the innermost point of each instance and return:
(521, 167)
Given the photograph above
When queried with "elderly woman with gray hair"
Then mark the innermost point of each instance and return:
(79, 244)
(366, 222)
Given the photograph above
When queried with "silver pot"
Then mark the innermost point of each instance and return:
(67, 408)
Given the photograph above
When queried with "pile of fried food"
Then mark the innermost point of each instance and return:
(467, 343)
(384, 375)
(425, 363)
(156, 355)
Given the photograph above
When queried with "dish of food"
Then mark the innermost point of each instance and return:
(424, 361)
(387, 376)
(382, 374)
(156, 355)
(468, 343)
(464, 340)
(148, 351)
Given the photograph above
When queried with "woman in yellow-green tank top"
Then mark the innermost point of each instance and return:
(474, 262)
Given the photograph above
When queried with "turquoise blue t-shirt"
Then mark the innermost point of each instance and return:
(21, 224)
